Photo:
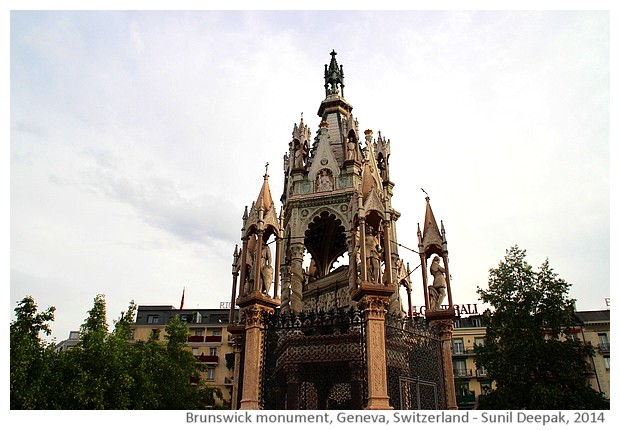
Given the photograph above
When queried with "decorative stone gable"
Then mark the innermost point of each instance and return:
(324, 159)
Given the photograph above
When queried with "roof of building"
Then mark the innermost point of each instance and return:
(195, 316)
(593, 316)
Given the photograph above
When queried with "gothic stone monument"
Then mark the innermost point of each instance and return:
(321, 323)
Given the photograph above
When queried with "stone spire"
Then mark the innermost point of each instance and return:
(263, 215)
(432, 239)
(264, 196)
(334, 76)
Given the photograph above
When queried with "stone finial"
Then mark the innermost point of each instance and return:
(334, 77)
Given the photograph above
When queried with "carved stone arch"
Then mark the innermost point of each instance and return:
(374, 219)
(316, 212)
(352, 134)
(326, 239)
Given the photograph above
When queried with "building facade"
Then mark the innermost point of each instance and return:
(68, 343)
(471, 382)
(208, 339)
(594, 328)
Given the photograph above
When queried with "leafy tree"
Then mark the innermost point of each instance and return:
(526, 351)
(106, 370)
(28, 353)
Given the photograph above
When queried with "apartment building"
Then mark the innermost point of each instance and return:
(208, 338)
(470, 382)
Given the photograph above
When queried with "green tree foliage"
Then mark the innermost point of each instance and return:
(106, 370)
(526, 351)
(28, 353)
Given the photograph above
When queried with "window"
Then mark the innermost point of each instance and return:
(460, 368)
(475, 322)
(198, 332)
(195, 351)
(212, 351)
(462, 388)
(479, 341)
(603, 342)
(218, 318)
(485, 388)
(606, 360)
(217, 332)
(211, 374)
(198, 317)
(457, 346)
(457, 323)
(152, 319)
(155, 333)
(132, 336)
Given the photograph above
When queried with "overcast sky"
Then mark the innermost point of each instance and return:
(137, 138)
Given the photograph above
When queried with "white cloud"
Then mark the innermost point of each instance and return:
(138, 137)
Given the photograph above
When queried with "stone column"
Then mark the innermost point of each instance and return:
(253, 360)
(237, 348)
(244, 271)
(235, 273)
(297, 251)
(374, 300)
(443, 328)
(364, 266)
(387, 254)
(258, 279)
(253, 307)
(276, 267)
(352, 261)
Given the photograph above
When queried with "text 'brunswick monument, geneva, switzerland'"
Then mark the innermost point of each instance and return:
(320, 323)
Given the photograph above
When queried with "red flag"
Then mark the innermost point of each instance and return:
(183, 298)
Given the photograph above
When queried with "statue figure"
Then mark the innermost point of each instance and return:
(373, 257)
(300, 156)
(351, 152)
(381, 164)
(323, 182)
(266, 270)
(437, 291)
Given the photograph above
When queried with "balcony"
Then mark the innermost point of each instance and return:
(206, 339)
(459, 349)
(481, 373)
(463, 373)
(466, 398)
(209, 359)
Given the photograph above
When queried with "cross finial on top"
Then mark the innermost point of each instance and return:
(266, 167)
